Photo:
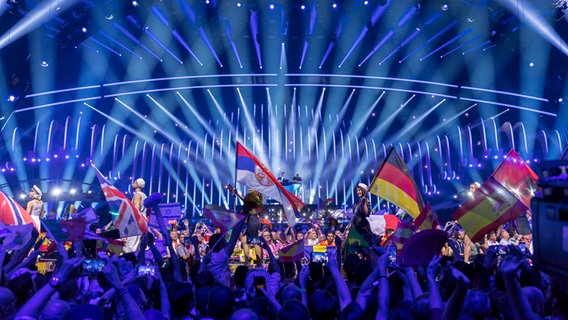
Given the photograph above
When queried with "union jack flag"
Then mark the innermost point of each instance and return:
(126, 217)
(12, 213)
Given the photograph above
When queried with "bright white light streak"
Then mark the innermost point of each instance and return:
(187, 88)
(282, 54)
(370, 87)
(199, 118)
(56, 104)
(7, 120)
(220, 110)
(134, 132)
(526, 12)
(61, 91)
(418, 120)
(175, 119)
(370, 77)
(267, 75)
(402, 105)
(431, 132)
(39, 15)
(151, 123)
(506, 93)
(510, 106)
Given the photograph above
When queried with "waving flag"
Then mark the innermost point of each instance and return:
(12, 213)
(66, 230)
(291, 253)
(516, 175)
(253, 174)
(394, 183)
(490, 206)
(221, 217)
(16, 236)
(427, 219)
(126, 217)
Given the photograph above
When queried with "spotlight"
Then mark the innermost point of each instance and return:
(303, 7)
(334, 5)
(445, 7)
(560, 100)
(44, 64)
(135, 3)
(56, 192)
(72, 191)
(531, 64)
(11, 98)
(22, 196)
(239, 4)
(271, 6)
(365, 2)
(84, 29)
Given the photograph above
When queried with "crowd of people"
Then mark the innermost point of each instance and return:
(204, 273)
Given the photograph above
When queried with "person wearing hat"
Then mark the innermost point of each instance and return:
(252, 208)
(132, 244)
(35, 206)
(361, 211)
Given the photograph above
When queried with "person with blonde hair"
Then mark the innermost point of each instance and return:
(35, 206)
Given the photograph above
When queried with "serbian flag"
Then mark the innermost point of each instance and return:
(253, 174)
(427, 219)
(487, 208)
(221, 217)
(12, 213)
(66, 230)
(126, 217)
(292, 253)
(394, 183)
(515, 175)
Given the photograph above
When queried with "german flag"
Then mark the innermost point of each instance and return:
(489, 207)
(394, 183)
(516, 175)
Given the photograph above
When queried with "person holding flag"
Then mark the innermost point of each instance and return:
(252, 209)
(361, 211)
(132, 243)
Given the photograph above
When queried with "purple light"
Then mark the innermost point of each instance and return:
(55, 156)
(67, 156)
(11, 169)
(47, 159)
(82, 165)
(3, 170)
(25, 159)
(479, 165)
(33, 160)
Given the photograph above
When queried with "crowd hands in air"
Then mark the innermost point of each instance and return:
(210, 277)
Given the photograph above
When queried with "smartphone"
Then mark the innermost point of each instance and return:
(523, 247)
(91, 266)
(259, 284)
(146, 270)
(319, 257)
(391, 251)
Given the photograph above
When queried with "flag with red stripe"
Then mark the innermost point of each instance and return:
(12, 213)
(292, 253)
(394, 183)
(516, 175)
(221, 217)
(126, 217)
(489, 207)
(253, 174)
(427, 219)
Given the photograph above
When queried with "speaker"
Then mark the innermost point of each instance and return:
(550, 235)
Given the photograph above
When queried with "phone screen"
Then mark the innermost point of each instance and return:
(391, 251)
(319, 257)
(93, 266)
(146, 270)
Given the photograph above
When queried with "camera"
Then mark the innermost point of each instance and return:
(91, 266)
(319, 257)
(146, 270)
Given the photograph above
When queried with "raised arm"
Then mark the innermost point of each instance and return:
(455, 303)
(436, 303)
(342, 290)
(521, 306)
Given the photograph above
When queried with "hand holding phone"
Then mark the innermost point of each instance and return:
(259, 284)
(92, 266)
(146, 270)
(319, 257)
